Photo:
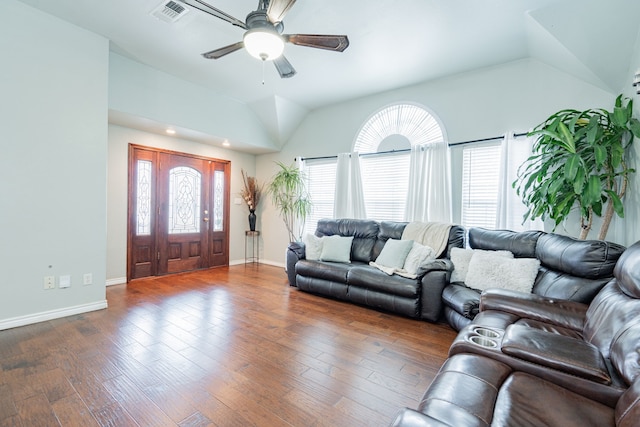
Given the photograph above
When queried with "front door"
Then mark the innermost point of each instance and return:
(178, 212)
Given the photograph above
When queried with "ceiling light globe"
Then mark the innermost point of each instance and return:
(263, 44)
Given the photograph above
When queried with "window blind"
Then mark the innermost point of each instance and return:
(480, 184)
(385, 181)
(321, 183)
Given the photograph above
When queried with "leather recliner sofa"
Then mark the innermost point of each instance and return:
(533, 360)
(570, 269)
(475, 391)
(360, 283)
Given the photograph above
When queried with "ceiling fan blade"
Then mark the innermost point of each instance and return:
(277, 9)
(219, 53)
(284, 67)
(207, 8)
(328, 42)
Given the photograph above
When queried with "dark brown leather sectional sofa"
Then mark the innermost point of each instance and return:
(570, 268)
(360, 283)
(530, 360)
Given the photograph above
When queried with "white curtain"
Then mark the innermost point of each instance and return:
(349, 199)
(511, 210)
(429, 196)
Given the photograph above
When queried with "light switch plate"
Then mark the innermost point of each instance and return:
(64, 282)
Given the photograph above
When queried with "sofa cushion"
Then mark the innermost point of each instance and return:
(364, 232)
(394, 253)
(526, 400)
(371, 278)
(609, 311)
(464, 391)
(625, 352)
(556, 284)
(336, 249)
(312, 246)
(461, 257)
(487, 270)
(627, 271)
(387, 230)
(335, 272)
(418, 256)
(521, 244)
(581, 258)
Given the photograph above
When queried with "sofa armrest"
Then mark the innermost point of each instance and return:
(462, 299)
(567, 354)
(568, 314)
(410, 418)
(295, 252)
(434, 276)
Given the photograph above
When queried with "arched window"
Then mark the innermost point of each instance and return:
(396, 127)
(384, 142)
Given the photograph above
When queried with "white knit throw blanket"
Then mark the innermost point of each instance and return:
(432, 234)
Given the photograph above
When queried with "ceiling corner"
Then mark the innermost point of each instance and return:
(586, 45)
(280, 116)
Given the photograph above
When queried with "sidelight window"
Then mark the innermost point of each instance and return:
(143, 201)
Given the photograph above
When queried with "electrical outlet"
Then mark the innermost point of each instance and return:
(87, 279)
(49, 282)
(64, 282)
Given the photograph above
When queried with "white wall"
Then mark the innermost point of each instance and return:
(145, 92)
(53, 112)
(479, 104)
(119, 140)
(629, 227)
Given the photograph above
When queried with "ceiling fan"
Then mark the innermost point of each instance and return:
(264, 39)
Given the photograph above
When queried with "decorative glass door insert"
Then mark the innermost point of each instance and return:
(184, 200)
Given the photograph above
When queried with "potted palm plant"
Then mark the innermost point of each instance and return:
(579, 162)
(289, 195)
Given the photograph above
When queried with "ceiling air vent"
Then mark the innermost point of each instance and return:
(169, 11)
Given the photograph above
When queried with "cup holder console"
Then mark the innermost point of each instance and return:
(483, 341)
(484, 337)
(485, 332)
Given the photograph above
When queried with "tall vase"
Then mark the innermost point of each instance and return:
(252, 219)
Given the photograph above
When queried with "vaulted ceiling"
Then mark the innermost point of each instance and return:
(393, 43)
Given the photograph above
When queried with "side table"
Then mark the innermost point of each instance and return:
(252, 254)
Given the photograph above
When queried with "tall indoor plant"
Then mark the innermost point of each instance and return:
(579, 162)
(289, 195)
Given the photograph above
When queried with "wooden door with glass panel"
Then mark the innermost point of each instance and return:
(178, 212)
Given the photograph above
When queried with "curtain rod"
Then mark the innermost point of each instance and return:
(450, 144)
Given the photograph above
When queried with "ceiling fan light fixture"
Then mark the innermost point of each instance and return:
(264, 43)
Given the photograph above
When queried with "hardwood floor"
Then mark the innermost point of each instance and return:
(225, 347)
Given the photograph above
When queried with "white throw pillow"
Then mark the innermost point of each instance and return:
(418, 256)
(460, 258)
(312, 246)
(336, 249)
(394, 253)
(489, 271)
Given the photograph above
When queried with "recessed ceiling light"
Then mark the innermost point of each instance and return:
(226, 144)
(171, 131)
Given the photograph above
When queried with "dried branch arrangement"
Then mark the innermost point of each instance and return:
(251, 191)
